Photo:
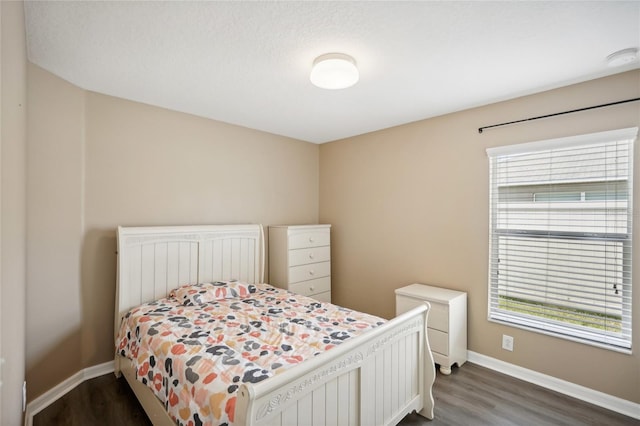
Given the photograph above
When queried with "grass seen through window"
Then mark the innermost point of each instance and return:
(561, 313)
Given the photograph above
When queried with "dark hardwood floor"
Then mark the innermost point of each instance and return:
(104, 400)
(471, 395)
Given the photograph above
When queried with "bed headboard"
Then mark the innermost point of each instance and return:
(154, 260)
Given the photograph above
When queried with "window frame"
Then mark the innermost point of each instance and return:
(543, 325)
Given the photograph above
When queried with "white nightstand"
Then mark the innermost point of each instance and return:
(300, 259)
(447, 324)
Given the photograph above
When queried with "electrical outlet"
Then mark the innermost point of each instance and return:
(507, 342)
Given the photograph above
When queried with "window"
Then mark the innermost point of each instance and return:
(560, 237)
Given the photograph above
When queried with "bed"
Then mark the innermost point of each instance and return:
(375, 378)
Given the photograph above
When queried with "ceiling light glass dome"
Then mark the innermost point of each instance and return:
(334, 71)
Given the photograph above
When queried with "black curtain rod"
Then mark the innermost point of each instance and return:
(557, 113)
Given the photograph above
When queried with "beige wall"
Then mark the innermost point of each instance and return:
(13, 140)
(410, 204)
(54, 220)
(96, 162)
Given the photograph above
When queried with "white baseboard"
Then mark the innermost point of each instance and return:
(50, 396)
(591, 396)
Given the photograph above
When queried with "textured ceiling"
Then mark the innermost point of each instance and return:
(248, 63)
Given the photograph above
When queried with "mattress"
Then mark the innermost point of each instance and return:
(195, 347)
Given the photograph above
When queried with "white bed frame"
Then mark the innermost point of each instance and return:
(374, 379)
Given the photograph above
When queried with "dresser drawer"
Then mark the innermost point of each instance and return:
(309, 255)
(439, 317)
(309, 272)
(309, 238)
(312, 287)
(323, 297)
(438, 341)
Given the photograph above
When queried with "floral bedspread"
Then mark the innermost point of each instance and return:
(195, 347)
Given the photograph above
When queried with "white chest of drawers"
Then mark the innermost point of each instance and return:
(447, 323)
(300, 259)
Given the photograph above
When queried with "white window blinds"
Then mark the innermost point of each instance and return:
(560, 237)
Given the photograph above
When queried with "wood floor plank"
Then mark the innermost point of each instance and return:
(471, 395)
(104, 400)
(474, 395)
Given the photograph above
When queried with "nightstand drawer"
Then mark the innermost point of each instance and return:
(439, 317)
(312, 287)
(309, 238)
(309, 272)
(405, 304)
(438, 341)
(309, 255)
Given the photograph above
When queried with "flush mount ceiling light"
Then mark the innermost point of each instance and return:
(622, 57)
(334, 71)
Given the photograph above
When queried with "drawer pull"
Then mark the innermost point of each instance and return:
(311, 256)
(311, 272)
(312, 288)
(310, 239)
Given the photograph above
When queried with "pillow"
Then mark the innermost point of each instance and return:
(197, 294)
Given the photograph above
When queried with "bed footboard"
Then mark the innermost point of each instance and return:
(377, 378)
